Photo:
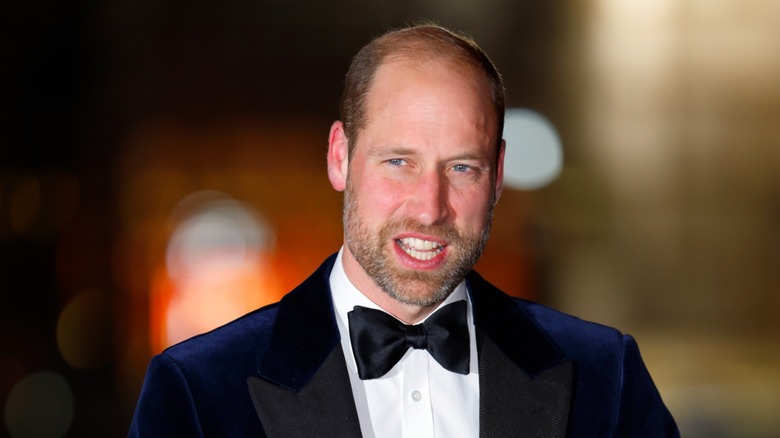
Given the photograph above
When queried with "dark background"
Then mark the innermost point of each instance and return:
(662, 222)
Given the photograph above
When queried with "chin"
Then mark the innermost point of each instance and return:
(422, 295)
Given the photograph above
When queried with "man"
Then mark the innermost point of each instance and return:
(395, 335)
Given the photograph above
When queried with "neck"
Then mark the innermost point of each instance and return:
(405, 312)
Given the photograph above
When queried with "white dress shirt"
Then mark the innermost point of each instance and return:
(417, 397)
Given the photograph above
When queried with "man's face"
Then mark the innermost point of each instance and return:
(422, 182)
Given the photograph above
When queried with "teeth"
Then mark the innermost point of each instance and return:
(420, 249)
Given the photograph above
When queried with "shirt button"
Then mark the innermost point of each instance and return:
(416, 396)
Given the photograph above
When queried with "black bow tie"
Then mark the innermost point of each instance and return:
(379, 340)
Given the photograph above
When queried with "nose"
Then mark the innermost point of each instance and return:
(429, 203)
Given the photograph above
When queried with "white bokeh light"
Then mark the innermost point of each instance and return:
(41, 405)
(533, 156)
(217, 264)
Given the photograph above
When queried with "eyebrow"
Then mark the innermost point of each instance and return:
(393, 150)
(405, 151)
(469, 157)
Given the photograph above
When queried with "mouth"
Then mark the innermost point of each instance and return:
(420, 249)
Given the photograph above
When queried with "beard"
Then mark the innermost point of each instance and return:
(408, 286)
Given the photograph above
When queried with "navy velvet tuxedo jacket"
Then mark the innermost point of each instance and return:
(280, 372)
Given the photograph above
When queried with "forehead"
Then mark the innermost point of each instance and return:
(429, 108)
(453, 88)
(432, 72)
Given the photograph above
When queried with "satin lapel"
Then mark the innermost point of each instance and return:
(304, 332)
(302, 387)
(324, 407)
(512, 403)
(525, 383)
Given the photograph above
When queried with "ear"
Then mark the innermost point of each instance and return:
(338, 156)
(500, 171)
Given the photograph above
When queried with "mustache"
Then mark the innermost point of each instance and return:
(444, 231)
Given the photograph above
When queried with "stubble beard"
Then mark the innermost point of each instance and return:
(412, 287)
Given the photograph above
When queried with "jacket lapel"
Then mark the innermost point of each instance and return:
(325, 407)
(525, 384)
(514, 403)
(302, 387)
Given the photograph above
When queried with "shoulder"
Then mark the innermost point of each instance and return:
(198, 387)
(601, 354)
(569, 332)
(244, 343)
(609, 368)
(242, 340)
(573, 337)
(607, 364)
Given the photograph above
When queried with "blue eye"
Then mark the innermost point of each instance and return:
(396, 161)
(461, 168)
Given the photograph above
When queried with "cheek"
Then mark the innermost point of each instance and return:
(471, 208)
(383, 194)
(378, 197)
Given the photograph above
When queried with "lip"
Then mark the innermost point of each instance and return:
(420, 252)
(420, 236)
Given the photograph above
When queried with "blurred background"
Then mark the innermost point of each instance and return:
(162, 171)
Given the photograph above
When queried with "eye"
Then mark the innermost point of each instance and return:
(396, 162)
(461, 168)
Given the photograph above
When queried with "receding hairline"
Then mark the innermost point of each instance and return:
(431, 42)
(468, 77)
(431, 39)
(419, 44)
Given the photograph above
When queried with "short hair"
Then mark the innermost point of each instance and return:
(423, 42)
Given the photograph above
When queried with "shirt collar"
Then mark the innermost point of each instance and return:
(346, 296)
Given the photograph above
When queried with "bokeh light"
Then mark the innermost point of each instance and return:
(533, 156)
(25, 204)
(216, 267)
(84, 330)
(39, 406)
(214, 224)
